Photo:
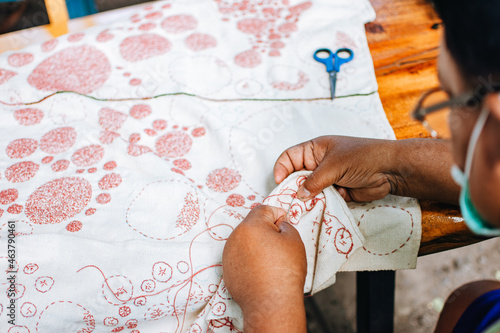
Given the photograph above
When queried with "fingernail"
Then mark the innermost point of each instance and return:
(303, 194)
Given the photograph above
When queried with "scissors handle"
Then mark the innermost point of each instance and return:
(339, 60)
(328, 61)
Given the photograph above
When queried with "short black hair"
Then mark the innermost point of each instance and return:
(472, 35)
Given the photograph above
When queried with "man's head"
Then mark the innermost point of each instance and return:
(469, 62)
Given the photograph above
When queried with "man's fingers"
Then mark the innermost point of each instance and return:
(265, 214)
(322, 177)
(293, 159)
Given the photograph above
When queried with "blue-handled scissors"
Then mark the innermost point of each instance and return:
(333, 62)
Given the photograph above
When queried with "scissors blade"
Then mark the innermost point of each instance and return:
(333, 83)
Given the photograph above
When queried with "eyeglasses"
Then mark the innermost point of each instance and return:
(433, 110)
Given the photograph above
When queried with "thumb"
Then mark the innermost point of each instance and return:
(287, 229)
(317, 181)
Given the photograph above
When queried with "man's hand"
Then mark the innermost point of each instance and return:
(357, 167)
(264, 269)
(369, 169)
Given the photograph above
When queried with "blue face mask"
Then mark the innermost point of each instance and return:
(474, 221)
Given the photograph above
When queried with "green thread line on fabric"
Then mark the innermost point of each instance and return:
(196, 96)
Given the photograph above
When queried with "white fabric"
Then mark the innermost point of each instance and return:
(123, 205)
(328, 229)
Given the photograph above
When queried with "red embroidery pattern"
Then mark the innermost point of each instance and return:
(199, 42)
(82, 69)
(144, 46)
(8, 196)
(21, 172)
(223, 180)
(20, 59)
(267, 23)
(179, 23)
(21, 148)
(6, 75)
(58, 200)
(189, 214)
(28, 116)
(58, 140)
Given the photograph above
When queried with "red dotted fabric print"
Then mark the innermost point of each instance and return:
(197, 132)
(88, 155)
(144, 46)
(74, 226)
(235, 200)
(47, 159)
(223, 180)
(82, 69)
(20, 59)
(136, 150)
(283, 85)
(147, 26)
(173, 144)
(150, 132)
(58, 200)
(21, 172)
(182, 164)
(189, 214)
(267, 25)
(140, 111)
(58, 140)
(6, 75)
(199, 42)
(104, 36)
(29, 116)
(49, 45)
(76, 37)
(252, 26)
(90, 211)
(60, 165)
(103, 198)
(134, 138)
(135, 82)
(109, 166)
(154, 15)
(21, 148)
(110, 119)
(107, 137)
(179, 23)
(159, 124)
(15, 209)
(8, 196)
(110, 181)
(248, 59)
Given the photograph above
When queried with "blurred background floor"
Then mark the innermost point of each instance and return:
(420, 293)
